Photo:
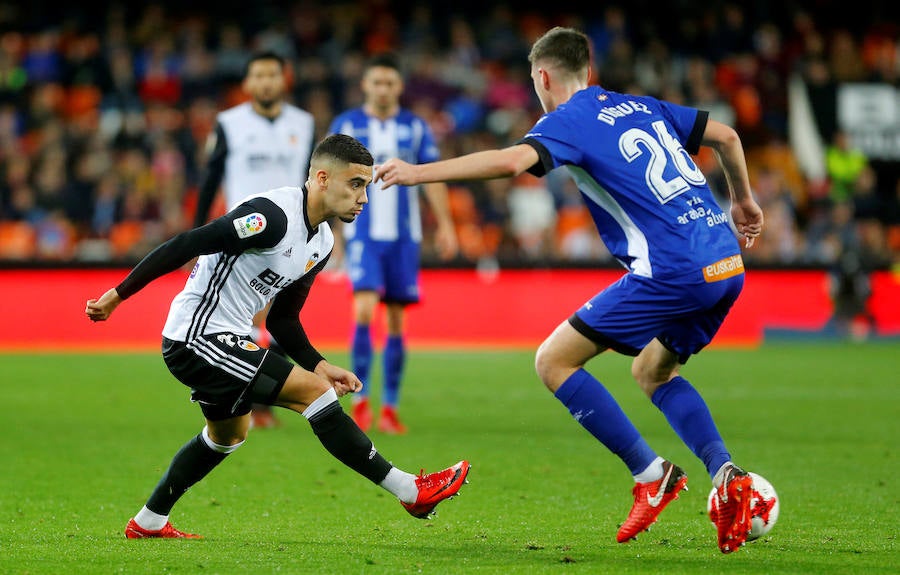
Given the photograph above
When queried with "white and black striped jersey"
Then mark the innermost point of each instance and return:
(262, 250)
(249, 152)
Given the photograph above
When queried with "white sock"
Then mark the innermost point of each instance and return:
(149, 520)
(652, 472)
(320, 403)
(402, 485)
(226, 449)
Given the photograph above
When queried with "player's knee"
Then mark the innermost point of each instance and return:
(649, 376)
(301, 388)
(545, 366)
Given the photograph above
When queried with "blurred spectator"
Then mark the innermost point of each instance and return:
(42, 61)
(55, 237)
(198, 68)
(732, 34)
(867, 204)
(611, 28)
(498, 35)
(576, 235)
(107, 205)
(158, 69)
(13, 77)
(532, 216)
(84, 66)
(857, 254)
(231, 54)
(122, 94)
(844, 164)
(845, 60)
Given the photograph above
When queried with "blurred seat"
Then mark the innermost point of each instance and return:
(571, 219)
(124, 236)
(18, 240)
(56, 238)
(81, 100)
(893, 238)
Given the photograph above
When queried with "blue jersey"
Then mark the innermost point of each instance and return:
(393, 213)
(630, 156)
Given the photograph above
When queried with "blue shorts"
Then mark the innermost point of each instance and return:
(389, 268)
(684, 316)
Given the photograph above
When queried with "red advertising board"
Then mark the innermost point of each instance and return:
(459, 308)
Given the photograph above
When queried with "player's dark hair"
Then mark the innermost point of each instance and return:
(264, 55)
(564, 47)
(343, 148)
(384, 59)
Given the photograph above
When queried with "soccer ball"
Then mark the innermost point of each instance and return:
(764, 504)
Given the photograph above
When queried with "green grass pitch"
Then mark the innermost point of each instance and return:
(87, 436)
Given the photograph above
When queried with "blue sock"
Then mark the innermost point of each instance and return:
(394, 359)
(688, 415)
(361, 357)
(597, 411)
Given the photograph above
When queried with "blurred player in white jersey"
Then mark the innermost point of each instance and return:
(258, 145)
(267, 249)
(631, 158)
(382, 246)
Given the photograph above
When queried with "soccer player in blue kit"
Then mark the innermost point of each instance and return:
(631, 158)
(382, 246)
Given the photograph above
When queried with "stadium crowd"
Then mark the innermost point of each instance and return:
(104, 112)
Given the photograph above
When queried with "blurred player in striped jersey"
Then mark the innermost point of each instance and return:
(382, 247)
(257, 145)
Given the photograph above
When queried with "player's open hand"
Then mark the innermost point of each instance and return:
(341, 380)
(101, 309)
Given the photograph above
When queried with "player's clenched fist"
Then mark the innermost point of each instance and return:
(101, 309)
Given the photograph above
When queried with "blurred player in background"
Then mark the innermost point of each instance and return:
(382, 246)
(258, 145)
(630, 156)
(267, 249)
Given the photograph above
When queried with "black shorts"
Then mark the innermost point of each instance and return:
(227, 373)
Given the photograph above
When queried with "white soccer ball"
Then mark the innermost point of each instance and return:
(764, 504)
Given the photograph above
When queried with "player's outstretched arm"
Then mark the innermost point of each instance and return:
(484, 165)
(100, 309)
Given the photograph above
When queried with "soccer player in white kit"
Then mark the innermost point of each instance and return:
(258, 145)
(631, 158)
(267, 249)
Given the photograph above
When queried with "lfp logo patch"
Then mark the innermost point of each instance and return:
(249, 225)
